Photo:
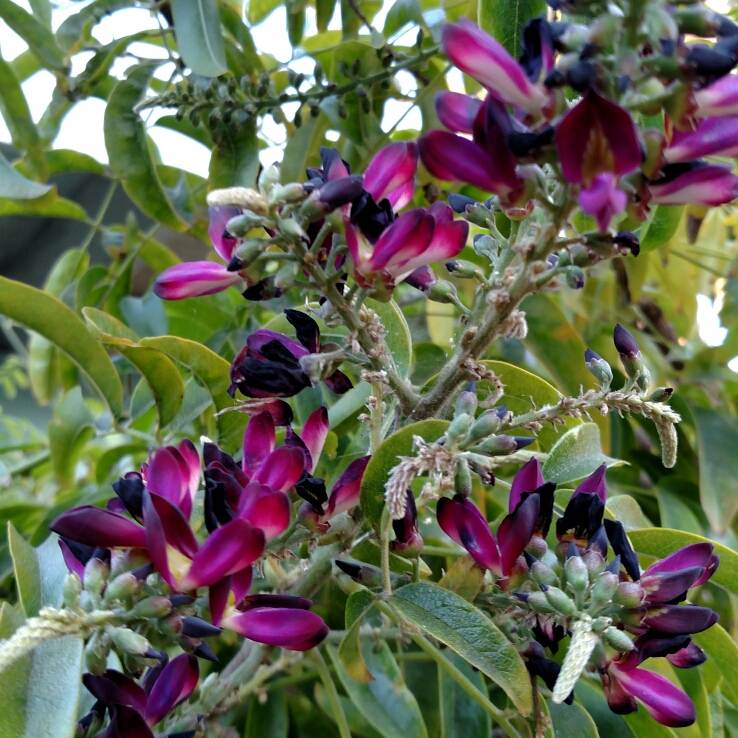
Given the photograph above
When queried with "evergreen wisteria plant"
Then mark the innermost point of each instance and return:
(423, 512)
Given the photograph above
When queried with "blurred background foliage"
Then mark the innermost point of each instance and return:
(93, 234)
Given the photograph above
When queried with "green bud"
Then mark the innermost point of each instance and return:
(628, 594)
(467, 403)
(246, 253)
(697, 20)
(603, 589)
(268, 178)
(95, 577)
(594, 562)
(86, 602)
(497, 446)
(441, 291)
(291, 229)
(459, 427)
(285, 278)
(96, 654)
(661, 394)
(644, 379)
(289, 193)
(576, 573)
(601, 624)
(71, 590)
(121, 587)
(157, 606)
(130, 642)
(618, 639)
(478, 214)
(486, 246)
(540, 604)
(598, 367)
(464, 270)
(560, 601)
(543, 574)
(321, 366)
(240, 225)
(463, 479)
(485, 425)
(574, 278)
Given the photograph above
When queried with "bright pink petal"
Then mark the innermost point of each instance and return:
(666, 704)
(94, 526)
(226, 550)
(448, 240)
(718, 99)
(177, 531)
(218, 219)
(480, 56)
(293, 629)
(391, 169)
(271, 514)
(445, 514)
(164, 476)
(456, 159)
(281, 469)
(603, 200)
(528, 478)
(476, 537)
(176, 683)
(192, 459)
(402, 196)
(258, 441)
(241, 583)
(456, 111)
(709, 185)
(313, 435)
(345, 493)
(407, 237)
(218, 594)
(712, 137)
(193, 279)
(696, 554)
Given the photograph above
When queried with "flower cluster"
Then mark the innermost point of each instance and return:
(525, 120)
(246, 505)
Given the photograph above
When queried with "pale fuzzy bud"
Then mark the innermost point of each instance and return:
(540, 604)
(238, 197)
(467, 402)
(601, 624)
(661, 394)
(121, 587)
(543, 574)
(291, 229)
(669, 442)
(240, 225)
(287, 194)
(604, 589)
(618, 639)
(96, 654)
(153, 607)
(96, 574)
(269, 178)
(459, 427)
(486, 424)
(582, 644)
(595, 563)
(628, 594)
(71, 590)
(320, 366)
(598, 367)
(132, 643)
(463, 479)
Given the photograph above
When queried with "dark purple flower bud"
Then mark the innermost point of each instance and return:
(292, 629)
(537, 58)
(525, 143)
(621, 546)
(335, 194)
(349, 567)
(263, 290)
(409, 541)
(582, 518)
(459, 203)
(582, 75)
(130, 491)
(203, 651)
(313, 491)
(629, 240)
(95, 527)
(625, 344)
(680, 618)
(175, 684)
(423, 279)
(548, 670)
(710, 63)
(194, 627)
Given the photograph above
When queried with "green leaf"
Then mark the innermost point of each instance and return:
(48, 205)
(576, 455)
(69, 430)
(303, 147)
(52, 319)
(146, 315)
(694, 686)
(13, 680)
(196, 401)
(39, 572)
(349, 404)
(235, 158)
(324, 12)
(157, 369)
(397, 333)
(258, 10)
(400, 14)
(717, 437)
(466, 630)
(41, 11)
(428, 360)
(213, 372)
(349, 651)
(461, 716)
(722, 649)
(39, 39)
(128, 149)
(571, 721)
(268, 719)
(68, 160)
(386, 703)
(594, 702)
(642, 724)
(358, 724)
(505, 20)
(385, 459)
(17, 116)
(16, 186)
(520, 387)
(464, 577)
(199, 37)
(42, 354)
(662, 227)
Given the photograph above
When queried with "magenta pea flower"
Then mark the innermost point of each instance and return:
(390, 174)
(718, 99)
(270, 363)
(665, 703)
(529, 481)
(480, 56)
(135, 709)
(598, 137)
(198, 278)
(457, 111)
(462, 521)
(694, 183)
(416, 238)
(712, 137)
(278, 620)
